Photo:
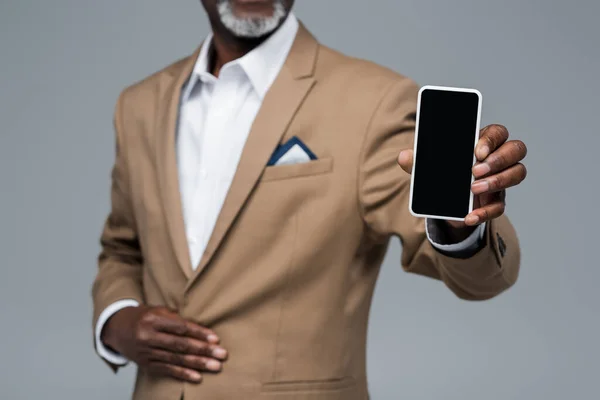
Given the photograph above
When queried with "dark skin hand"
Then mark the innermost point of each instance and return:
(498, 167)
(163, 343)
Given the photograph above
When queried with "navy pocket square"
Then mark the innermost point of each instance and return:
(294, 151)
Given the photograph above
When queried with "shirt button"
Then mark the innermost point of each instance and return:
(192, 240)
(203, 173)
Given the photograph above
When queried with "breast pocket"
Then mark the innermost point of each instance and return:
(289, 171)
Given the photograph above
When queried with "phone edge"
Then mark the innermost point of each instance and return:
(477, 129)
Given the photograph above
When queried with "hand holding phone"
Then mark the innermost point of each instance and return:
(457, 171)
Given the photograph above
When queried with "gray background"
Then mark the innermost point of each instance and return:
(63, 63)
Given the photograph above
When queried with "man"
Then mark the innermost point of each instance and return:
(227, 273)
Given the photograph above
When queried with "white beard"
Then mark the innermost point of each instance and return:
(250, 27)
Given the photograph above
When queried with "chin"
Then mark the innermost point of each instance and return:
(251, 18)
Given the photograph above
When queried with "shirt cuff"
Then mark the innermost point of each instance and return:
(471, 244)
(108, 312)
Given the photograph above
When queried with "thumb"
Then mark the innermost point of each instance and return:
(405, 160)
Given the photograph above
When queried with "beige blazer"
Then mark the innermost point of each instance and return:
(288, 275)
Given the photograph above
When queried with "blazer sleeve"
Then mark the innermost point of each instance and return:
(384, 190)
(120, 261)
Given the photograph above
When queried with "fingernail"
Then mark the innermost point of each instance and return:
(483, 152)
(219, 353)
(472, 219)
(403, 156)
(481, 169)
(213, 338)
(213, 365)
(480, 187)
(195, 376)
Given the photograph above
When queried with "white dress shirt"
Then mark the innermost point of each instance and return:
(216, 115)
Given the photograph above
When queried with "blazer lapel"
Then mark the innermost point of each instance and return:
(166, 157)
(279, 107)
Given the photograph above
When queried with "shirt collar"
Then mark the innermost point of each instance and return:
(261, 65)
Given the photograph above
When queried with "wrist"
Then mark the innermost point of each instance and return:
(109, 334)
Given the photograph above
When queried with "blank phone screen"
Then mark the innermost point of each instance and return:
(445, 140)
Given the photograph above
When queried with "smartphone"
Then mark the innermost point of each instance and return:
(446, 133)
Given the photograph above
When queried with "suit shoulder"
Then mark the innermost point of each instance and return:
(361, 74)
(145, 89)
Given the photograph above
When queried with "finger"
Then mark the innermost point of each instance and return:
(497, 182)
(177, 372)
(179, 326)
(405, 160)
(507, 155)
(184, 345)
(198, 363)
(485, 213)
(490, 138)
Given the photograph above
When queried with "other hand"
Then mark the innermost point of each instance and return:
(162, 342)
